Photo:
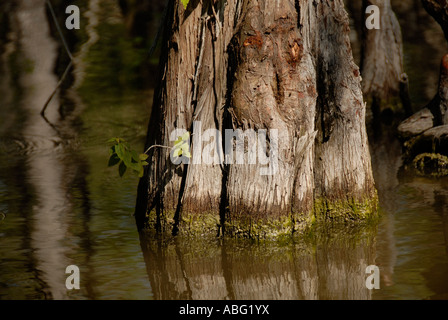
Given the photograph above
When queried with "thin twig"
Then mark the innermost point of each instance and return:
(42, 113)
(158, 146)
(64, 75)
(51, 125)
(59, 29)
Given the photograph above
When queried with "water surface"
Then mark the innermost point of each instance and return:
(61, 205)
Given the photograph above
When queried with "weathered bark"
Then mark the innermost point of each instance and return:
(440, 106)
(384, 79)
(261, 66)
(438, 9)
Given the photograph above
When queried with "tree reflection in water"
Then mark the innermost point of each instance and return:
(330, 266)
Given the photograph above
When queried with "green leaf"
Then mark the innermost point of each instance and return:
(113, 160)
(119, 149)
(182, 139)
(177, 152)
(185, 3)
(186, 150)
(126, 145)
(141, 172)
(143, 156)
(181, 146)
(185, 136)
(186, 153)
(178, 142)
(122, 169)
(135, 166)
(135, 156)
(122, 154)
(127, 159)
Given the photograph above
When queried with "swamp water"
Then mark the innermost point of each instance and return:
(60, 204)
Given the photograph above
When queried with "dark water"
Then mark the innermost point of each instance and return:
(60, 205)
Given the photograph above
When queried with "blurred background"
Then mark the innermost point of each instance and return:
(61, 205)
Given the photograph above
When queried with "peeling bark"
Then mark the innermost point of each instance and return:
(263, 66)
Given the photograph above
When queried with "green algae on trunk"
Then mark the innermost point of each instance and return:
(209, 224)
(346, 210)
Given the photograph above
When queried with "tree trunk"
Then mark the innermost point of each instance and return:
(382, 69)
(438, 9)
(287, 69)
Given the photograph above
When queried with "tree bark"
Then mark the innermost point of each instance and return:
(259, 65)
(438, 9)
(382, 68)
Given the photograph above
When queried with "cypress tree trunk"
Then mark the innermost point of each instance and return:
(286, 68)
(384, 79)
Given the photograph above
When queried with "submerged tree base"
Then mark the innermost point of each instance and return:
(206, 224)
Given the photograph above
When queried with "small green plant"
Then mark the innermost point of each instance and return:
(122, 155)
(125, 157)
(181, 146)
(185, 3)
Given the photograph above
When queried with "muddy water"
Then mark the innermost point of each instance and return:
(60, 204)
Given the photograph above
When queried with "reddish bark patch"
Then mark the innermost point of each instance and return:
(311, 91)
(445, 64)
(256, 40)
(295, 52)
